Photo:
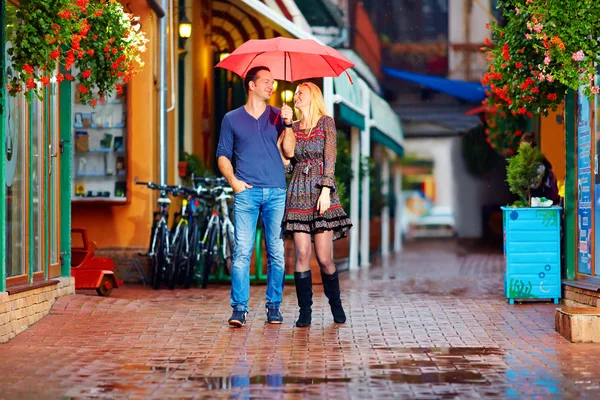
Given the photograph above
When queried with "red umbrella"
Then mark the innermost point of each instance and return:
(288, 59)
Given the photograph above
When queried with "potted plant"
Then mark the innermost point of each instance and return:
(531, 234)
(191, 164)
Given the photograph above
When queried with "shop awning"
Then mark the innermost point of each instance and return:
(348, 96)
(276, 18)
(468, 91)
(386, 128)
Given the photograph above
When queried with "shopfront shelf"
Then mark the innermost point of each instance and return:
(532, 253)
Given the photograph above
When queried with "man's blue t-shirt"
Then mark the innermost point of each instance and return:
(251, 145)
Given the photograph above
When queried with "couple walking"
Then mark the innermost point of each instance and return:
(264, 143)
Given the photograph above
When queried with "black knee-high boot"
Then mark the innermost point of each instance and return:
(304, 292)
(331, 286)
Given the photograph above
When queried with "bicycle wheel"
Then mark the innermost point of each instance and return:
(229, 249)
(192, 259)
(179, 257)
(209, 256)
(159, 259)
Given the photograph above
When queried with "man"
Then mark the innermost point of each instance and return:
(249, 137)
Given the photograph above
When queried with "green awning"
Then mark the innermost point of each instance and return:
(350, 116)
(386, 128)
(384, 140)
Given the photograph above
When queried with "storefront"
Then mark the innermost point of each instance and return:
(34, 228)
(582, 200)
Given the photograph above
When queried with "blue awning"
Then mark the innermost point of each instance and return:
(468, 91)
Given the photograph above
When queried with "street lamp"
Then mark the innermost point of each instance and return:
(185, 28)
(287, 96)
(223, 56)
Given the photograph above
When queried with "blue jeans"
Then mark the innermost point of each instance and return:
(248, 204)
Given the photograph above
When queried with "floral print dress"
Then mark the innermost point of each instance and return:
(313, 167)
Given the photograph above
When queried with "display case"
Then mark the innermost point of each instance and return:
(100, 149)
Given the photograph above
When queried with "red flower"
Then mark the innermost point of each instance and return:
(522, 50)
(522, 111)
(518, 133)
(69, 77)
(119, 88)
(55, 54)
(98, 13)
(86, 74)
(530, 115)
(487, 41)
(30, 83)
(90, 52)
(106, 48)
(94, 103)
(511, 151)
(519, 64)
(81, 3)
(60, 78)
(505, 52)
(45, 80)
(552, 96)
(28, 69)
(115, 65)
(535, 89)
(83, 89)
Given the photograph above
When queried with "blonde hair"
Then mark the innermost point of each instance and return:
(317, 105)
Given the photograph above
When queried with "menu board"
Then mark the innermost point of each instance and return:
(584, 184)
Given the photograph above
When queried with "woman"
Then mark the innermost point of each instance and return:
(313, 211)
(547, 186)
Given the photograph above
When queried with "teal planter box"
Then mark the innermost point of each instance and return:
(532, 253)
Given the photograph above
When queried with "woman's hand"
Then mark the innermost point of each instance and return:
(324, 201)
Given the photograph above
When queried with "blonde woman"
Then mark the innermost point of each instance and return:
(313, 211)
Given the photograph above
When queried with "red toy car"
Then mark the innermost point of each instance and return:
(91, 272)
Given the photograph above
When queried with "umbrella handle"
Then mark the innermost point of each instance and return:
(284, 77)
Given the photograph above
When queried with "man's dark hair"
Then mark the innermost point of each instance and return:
(528, 138)
(252, 75)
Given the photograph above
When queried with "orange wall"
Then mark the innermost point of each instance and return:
(552, 141)
(129, 225)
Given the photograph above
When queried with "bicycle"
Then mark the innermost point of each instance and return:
(159, 248)
(217, 244)
(184, 233)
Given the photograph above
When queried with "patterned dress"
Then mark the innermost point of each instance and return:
(312, 168)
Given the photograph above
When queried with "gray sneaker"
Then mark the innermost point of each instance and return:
(238, 318)
(274, 315)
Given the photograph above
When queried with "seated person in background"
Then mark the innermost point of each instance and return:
(547, 186)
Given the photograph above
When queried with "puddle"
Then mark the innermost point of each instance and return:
(110, 387)
(452, 351)
(229, 382)
(455, 377)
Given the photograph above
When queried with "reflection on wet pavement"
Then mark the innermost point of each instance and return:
(439, 329)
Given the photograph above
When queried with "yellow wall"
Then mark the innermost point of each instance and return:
(129, 225)
(202, 107)
(552, 141)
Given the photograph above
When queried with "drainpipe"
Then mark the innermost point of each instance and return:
(162, 95)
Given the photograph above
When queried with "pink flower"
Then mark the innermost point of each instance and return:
(595, 89)
(578, 56)
(517, 11)
(527, 36)
(542, 77)
(549, 78)
(547, 60)
(538, 28)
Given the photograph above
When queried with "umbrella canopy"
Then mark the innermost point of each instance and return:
(288, 59)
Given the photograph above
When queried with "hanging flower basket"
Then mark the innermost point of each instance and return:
(545, 48)
(95, 38)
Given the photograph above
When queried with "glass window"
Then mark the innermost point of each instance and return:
(16, 206)
(37, 173)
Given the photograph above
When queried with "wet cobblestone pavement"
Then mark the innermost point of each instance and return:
(428, 324)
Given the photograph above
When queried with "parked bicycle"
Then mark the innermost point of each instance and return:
(159, 249)
(217, 244)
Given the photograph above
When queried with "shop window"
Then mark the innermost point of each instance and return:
(16, 183)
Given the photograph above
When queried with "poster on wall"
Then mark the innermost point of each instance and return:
(597, 178)
(584, 182)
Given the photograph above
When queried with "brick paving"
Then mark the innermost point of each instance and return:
(428, 324)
